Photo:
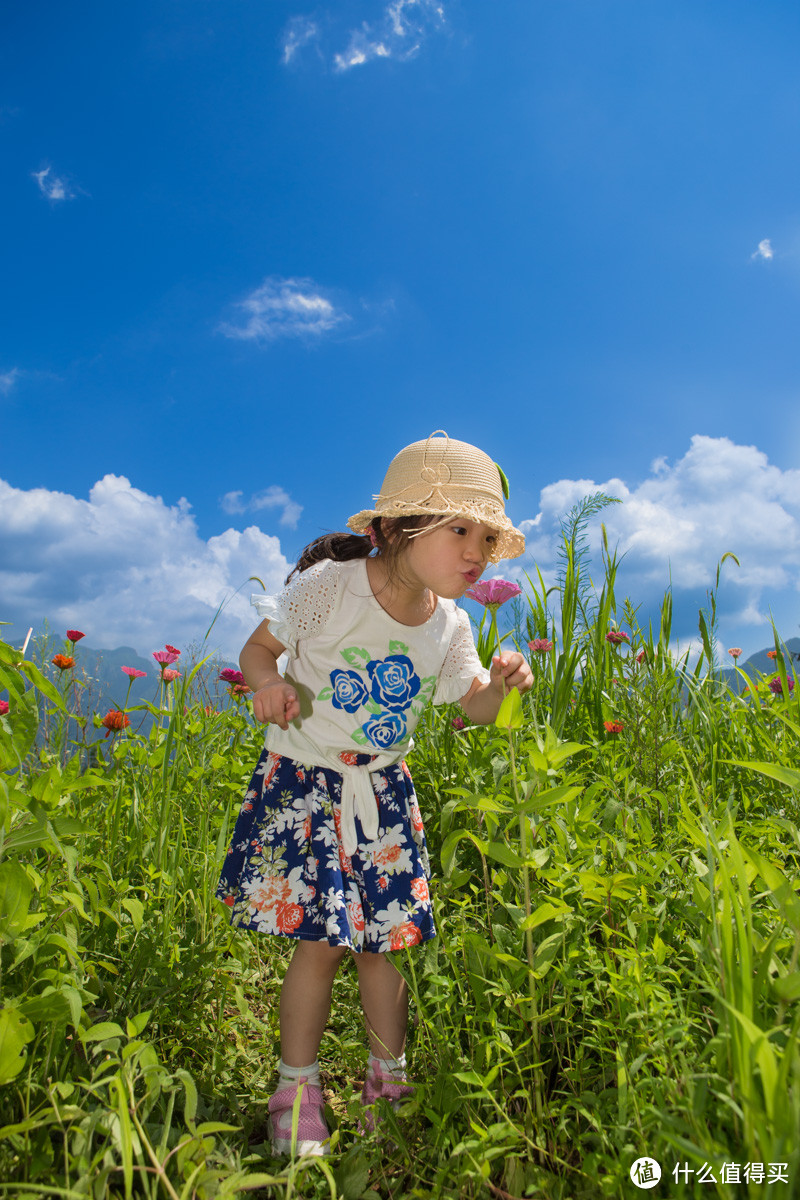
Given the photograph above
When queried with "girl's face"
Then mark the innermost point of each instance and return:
(449, 559)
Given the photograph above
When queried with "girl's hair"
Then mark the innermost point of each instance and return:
(392, 536)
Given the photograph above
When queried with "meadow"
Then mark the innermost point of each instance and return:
(616, 974)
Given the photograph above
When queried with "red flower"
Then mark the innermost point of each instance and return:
(458, 724)
(165, 657)
(63, 662)
(4, 706)
(240, 689)
(169, 673)
(541, 645)
(75, 635)
(231, 676)
(614, 726)
(114, 720)
(173, 650)
(641, 656)
(491, 593)
(617, 637)
(772, 654)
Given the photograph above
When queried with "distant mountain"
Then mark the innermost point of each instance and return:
(756, 665)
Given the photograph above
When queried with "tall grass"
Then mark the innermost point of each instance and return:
(616, 973)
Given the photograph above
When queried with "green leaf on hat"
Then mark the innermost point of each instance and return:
(503, 480)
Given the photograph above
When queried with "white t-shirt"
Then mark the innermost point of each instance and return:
(362, 678)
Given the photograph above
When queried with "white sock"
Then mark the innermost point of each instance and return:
(389, 1068)
(290, 1076)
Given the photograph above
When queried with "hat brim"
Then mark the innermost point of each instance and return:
(510, 543)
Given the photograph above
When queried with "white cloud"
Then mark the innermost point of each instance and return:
(53, 187)
(8, 379)
(299, 32)
(282, 308)
(764, 250)
(271, 497)
(128, 569)
(679, 522)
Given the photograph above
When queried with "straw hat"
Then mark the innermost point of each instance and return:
(449, 479)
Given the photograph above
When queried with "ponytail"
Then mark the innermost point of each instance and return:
(340, 547)
(388, 537)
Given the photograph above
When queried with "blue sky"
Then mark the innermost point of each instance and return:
(254, 248)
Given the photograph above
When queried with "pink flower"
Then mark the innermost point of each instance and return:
(240, 689)
(169, 674)
(134, 672)
(165, 657)
(617, 637)
(459, 723)
(541, 645)
(735, 651)
(75, 635)
(491, 593)
(4, 706)
(231, 676)
(641, 656)
(776, 686)
(173, 650)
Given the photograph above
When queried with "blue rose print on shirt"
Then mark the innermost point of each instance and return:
(394, 682)
(385, 730)
(349, 690)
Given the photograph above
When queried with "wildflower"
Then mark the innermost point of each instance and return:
(614, 726)
(734, 652)
(134, 672)
(4, 707)
(240, 689)
(165, 657)
(63, 662)
(75, 635)
(776, 686)
(641, 657)
(541, 645)
(491, 593)
(210, 711)
(114, 720)
(617, 637)
(170, 674)
(458, 724)
(231, 676)
(173, 650)
(773, 654)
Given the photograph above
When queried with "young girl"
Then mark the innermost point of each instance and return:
(329, 847)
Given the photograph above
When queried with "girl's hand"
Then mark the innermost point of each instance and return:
(512, 669)
(277, 703)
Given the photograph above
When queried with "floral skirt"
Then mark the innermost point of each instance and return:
(286, 872)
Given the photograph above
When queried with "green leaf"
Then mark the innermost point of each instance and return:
(136, 910)
(356, 656)
(788, 986)
(771, 770)
(398, 648)
(503, 480)
(102, 1032)
(545, 912)
(16, 890)
(509, 715)
(15, 1033)
(352, 1174)
(451, 842)
(502, 853)
(359, 736)
(49, 1005)
(373, 708)
(325, 694)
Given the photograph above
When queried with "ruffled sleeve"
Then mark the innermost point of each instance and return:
(461, 664)
(304, 607)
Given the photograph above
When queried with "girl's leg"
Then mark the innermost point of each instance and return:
(306, 1000)
(384, 998)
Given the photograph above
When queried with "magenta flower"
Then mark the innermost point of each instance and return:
(459, 723)
(776, 686)
(169, 674)
(134, 672)
(735, 651)
(165, 657)
(75, 635)
(173, 649)
(4, 706)
(541, 645)
(231, 676)
(491, 593)
(617, 637)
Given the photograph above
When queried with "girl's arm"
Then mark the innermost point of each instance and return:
(274, 699)
(482, 701)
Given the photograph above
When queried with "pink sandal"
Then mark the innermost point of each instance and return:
(312, 1132)
(381, 1087)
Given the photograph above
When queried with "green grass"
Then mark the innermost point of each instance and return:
(616, 972)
